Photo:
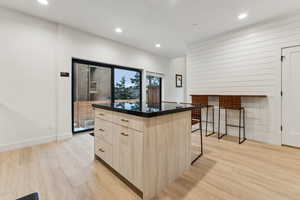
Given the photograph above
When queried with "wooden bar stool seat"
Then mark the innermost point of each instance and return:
(232, 103)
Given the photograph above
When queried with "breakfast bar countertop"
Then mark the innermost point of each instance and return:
(144, 109)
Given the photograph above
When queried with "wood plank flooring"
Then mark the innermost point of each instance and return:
(66, 170)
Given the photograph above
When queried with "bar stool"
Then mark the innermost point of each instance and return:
(203, 101)
(232, 103)
(210, 122)
(196, 118)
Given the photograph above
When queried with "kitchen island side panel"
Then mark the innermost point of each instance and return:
(167, 151)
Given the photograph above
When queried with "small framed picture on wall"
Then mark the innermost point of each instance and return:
(178, 80)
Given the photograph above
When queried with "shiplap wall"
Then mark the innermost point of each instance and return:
(246, 62)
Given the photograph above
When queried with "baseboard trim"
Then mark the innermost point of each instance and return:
(33, 142)
(27, 143)
(290, 146)
(64, 136)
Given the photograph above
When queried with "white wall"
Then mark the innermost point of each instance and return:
(177, 66)
(27, 80)
(246, 62)
(78, 44)
(35, 103)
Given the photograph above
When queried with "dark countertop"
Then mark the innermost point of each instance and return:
(234, 95)
(145, 110)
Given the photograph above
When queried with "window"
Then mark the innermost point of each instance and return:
(100, 83)
(127, 85)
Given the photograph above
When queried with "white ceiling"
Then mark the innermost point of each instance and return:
(147, 22)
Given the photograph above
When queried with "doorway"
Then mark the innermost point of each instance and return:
(154, 90)
(290, 96)
(91, 84)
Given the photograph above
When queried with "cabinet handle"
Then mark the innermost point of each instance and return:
(101, 114)
(100, 129)
(101, 150)
(124, 134)
(124, 120)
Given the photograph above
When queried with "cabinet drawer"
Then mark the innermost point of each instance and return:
(103, 130)
(130, 121)
(104, 151)
(103, 114)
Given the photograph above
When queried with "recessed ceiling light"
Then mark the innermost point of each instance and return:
(243, 16)
(43, 2)
(118, 30)
(157, 45)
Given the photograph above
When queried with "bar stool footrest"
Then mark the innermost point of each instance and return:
(207, 122)
(212, 133)
(236, 126)
(221, 136)
(193, 131)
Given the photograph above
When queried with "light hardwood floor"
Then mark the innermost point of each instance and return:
(67, 171)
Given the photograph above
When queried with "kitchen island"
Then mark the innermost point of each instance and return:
(147, 147)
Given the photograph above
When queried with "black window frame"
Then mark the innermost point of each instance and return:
(99, 64)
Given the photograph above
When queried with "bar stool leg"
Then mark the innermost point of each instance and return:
(243, 127)
(244, 124)
(206, 120)
(200, 121)
(219, 135)
(201, 138)
(213, 116)
(201, 134)
(240, 125)
(219, 124)
(226, 131)
(213, 121)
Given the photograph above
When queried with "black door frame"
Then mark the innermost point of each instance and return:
(98, 64)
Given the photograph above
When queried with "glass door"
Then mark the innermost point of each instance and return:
(91, 84)
(154, 85)
(94, 83)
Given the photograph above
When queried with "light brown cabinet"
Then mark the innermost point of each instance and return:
(104, 150)
(104, 130)
(103, 114)
(127, 154)
(130, 121)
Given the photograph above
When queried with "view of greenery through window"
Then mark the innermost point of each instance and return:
(127, 85)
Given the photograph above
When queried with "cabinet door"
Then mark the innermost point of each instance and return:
(127, 154)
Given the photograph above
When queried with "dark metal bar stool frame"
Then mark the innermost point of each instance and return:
(201, 135)
(228, 102)
(202, 100)
(209, 122)
(240, 126)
